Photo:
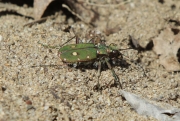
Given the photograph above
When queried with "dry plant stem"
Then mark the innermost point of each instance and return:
(65, 6)
(107, 5)
(40, 20)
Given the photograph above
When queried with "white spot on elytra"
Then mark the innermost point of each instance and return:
(78, 59)
(64, 59)
(88, 57)
(74, 53)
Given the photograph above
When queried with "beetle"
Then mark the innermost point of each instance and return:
(95, 52)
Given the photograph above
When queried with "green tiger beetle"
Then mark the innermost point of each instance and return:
(91, 52)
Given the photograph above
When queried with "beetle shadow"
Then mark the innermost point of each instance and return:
(94, 65)
(13, 12)
(83, 66)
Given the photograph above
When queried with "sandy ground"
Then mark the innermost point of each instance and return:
(64, 93)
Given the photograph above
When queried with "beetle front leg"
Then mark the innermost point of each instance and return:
(113, 73)
(77, 40)
(99, 73)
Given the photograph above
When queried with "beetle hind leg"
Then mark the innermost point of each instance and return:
(98, 87)
(116, 81)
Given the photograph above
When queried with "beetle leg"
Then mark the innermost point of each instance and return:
(113, 73)
(48, 46)
(77, 40)
(97, 87)
(99, 74)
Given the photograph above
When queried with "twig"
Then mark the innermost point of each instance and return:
(78, 16)
(107, 5)
(40, 20)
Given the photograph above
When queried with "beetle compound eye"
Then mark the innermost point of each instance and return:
(75, 53)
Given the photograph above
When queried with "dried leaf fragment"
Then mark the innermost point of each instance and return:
(145, 107)
(166, 45)
(39, 7)
(77, 8)
(135, 42)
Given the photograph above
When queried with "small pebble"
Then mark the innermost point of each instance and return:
(28, 102)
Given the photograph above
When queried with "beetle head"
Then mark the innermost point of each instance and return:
(113, 46)
(114, 52)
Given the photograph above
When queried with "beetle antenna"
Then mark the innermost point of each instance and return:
(67, 41)
(56, 47)
(91, 40)
(45, 66)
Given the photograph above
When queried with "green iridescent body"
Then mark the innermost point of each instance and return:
(86, 53)
(78, 52)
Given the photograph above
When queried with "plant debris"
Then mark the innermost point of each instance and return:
(166, 46)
